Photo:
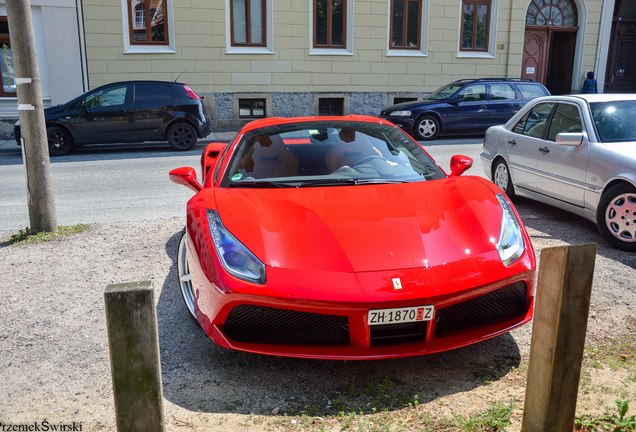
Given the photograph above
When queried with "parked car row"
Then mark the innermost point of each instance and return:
(138, 111)
(574, 152)
(124, 112)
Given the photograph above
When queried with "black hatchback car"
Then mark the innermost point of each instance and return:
(125, 112)
(467, 106)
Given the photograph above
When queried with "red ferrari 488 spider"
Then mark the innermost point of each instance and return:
(341, 238)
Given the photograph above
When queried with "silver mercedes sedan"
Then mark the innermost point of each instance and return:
(575, 152)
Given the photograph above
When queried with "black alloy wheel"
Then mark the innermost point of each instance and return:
(182, 136)
(60, 141)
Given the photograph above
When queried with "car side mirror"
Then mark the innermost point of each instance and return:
(455, 101)
(210, 156)
(186, 176)
(573, 139)
(459, 164)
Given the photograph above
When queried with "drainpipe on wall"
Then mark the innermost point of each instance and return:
(82, 44)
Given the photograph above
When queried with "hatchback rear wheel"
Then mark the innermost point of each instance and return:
(60, 141)
(182, 136)
(616, 216)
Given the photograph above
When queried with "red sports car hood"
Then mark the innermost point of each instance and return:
(367, 227)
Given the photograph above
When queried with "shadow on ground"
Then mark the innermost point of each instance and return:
(200, 376)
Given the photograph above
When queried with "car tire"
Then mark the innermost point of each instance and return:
(183, 274)
(616, 216)
(427, 127)
(60, 141)
(501, 177)
(182, 136)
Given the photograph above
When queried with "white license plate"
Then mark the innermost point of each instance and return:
(400, 315)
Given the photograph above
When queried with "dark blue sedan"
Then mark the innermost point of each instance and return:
(468, 106)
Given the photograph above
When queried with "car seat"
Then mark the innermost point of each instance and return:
(273, 160)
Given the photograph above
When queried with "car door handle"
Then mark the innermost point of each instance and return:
(512, 142)
(544, 149)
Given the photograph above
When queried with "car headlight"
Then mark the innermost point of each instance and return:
(17, 123)
(236, 258)
(510, 244)
(400, 114)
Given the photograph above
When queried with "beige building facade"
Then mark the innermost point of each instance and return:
(253, 58)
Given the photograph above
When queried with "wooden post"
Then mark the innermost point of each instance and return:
(134, 356)
(558, 337)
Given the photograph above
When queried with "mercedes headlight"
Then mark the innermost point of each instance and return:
(400, 114)
(236, 258)
(510, 244)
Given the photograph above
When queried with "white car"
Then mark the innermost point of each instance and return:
(575, 152)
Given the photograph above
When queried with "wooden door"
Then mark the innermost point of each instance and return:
(621, 71)
(535, 50)
(560, 63)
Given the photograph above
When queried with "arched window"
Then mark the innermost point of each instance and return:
(552, 13)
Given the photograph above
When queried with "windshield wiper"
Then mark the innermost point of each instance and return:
(262, 184)
(348, 181)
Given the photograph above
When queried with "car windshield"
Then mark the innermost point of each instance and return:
(445, 92)
(328, 153)
(614, 120)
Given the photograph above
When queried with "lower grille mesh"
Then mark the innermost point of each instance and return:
(392, 334)
(258, 324)
(502, 304)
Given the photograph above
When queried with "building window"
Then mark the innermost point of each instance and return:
(148, 22)
(406, 24)
(251, 108)
(7, 73)
(248, 22)
(331, 106)
(330, 23)
(475, 25)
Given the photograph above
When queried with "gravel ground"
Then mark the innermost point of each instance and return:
(55, 362)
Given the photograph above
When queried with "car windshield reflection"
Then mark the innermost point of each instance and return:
(614, 120)
(445, 92)
(328, 153)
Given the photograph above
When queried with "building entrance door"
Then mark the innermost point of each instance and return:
(621, 67)
(549, 44)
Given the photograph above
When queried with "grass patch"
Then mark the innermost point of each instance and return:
(616, 353)
(25, 236)
(495, 418)
(617, 422)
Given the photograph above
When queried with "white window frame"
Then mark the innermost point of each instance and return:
(423, 51)
(148, 49)
(348, 49)
(492, 35)
(269, 34)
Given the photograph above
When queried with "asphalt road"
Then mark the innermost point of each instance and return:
(106, 184)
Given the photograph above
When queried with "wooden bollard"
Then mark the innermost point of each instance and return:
(134, 356)
(558, 337)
